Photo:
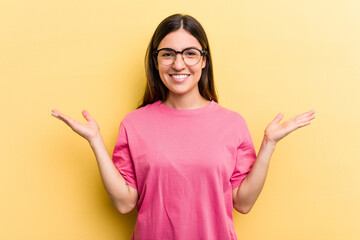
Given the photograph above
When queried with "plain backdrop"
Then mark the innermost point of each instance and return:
(269, 57)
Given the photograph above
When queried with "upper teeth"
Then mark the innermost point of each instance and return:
(179, 76)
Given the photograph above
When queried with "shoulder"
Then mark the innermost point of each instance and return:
(230, 115)
(237, 124)
(140, 114)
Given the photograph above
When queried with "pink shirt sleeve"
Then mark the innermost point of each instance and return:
(122, 158)
(245, 155)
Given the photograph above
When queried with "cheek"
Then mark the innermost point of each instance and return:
(162, 71)
(197, 71)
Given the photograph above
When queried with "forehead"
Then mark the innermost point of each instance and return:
(179, 40)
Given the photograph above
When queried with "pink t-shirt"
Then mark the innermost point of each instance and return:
(184, 164)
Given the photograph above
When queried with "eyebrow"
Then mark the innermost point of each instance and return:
(181, 49)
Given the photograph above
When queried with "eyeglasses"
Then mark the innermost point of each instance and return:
(167, 56)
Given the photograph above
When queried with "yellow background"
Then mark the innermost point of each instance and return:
(269, 57)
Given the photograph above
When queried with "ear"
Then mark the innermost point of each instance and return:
(204, 62)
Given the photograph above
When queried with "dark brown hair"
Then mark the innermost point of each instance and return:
(155, 89)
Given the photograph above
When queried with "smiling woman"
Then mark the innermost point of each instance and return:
(180, 158)
(179, 52)
(179, 71)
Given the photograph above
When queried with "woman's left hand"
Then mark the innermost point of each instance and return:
(275, 131)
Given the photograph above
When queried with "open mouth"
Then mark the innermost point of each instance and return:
(179, 77)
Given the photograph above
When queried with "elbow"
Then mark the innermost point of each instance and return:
(127, 204)
(243, 209)
(123, 208)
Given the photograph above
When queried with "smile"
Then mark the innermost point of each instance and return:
(179, 77)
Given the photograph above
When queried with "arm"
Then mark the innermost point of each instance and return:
(245, 195)
(123, 196)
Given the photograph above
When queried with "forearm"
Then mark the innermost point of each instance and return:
(252, 185)
(113, 181)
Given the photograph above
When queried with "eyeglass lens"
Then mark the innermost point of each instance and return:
(168, 56)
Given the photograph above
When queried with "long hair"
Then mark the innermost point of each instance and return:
(155, 89)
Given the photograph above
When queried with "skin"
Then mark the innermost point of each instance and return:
(185, 95)
(245, 195)
(123, 196)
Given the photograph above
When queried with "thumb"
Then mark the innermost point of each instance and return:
(87, 115)
(278, 118)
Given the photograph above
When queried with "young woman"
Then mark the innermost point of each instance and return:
(182, 159)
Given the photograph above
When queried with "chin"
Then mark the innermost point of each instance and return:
(178, 91)
(181, 88)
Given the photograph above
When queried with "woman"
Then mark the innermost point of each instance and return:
(182, 159)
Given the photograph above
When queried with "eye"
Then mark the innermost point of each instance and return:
(191, 53)
(166, 53)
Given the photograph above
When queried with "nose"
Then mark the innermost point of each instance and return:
(179, 63)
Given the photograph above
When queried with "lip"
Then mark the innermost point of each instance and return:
(176, 79)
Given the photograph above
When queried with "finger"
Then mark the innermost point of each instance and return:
(54, 112)
(307, 115)
(278, 118)
(57, 114)
(69, 121)
(87, 115)
(295, 125)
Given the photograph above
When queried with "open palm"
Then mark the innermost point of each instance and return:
(89, 130)
(275, 131)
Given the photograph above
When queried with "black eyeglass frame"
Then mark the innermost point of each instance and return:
(202, 52)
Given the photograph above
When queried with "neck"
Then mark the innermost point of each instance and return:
(185, 102)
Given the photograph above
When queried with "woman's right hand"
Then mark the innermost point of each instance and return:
(89, 130)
